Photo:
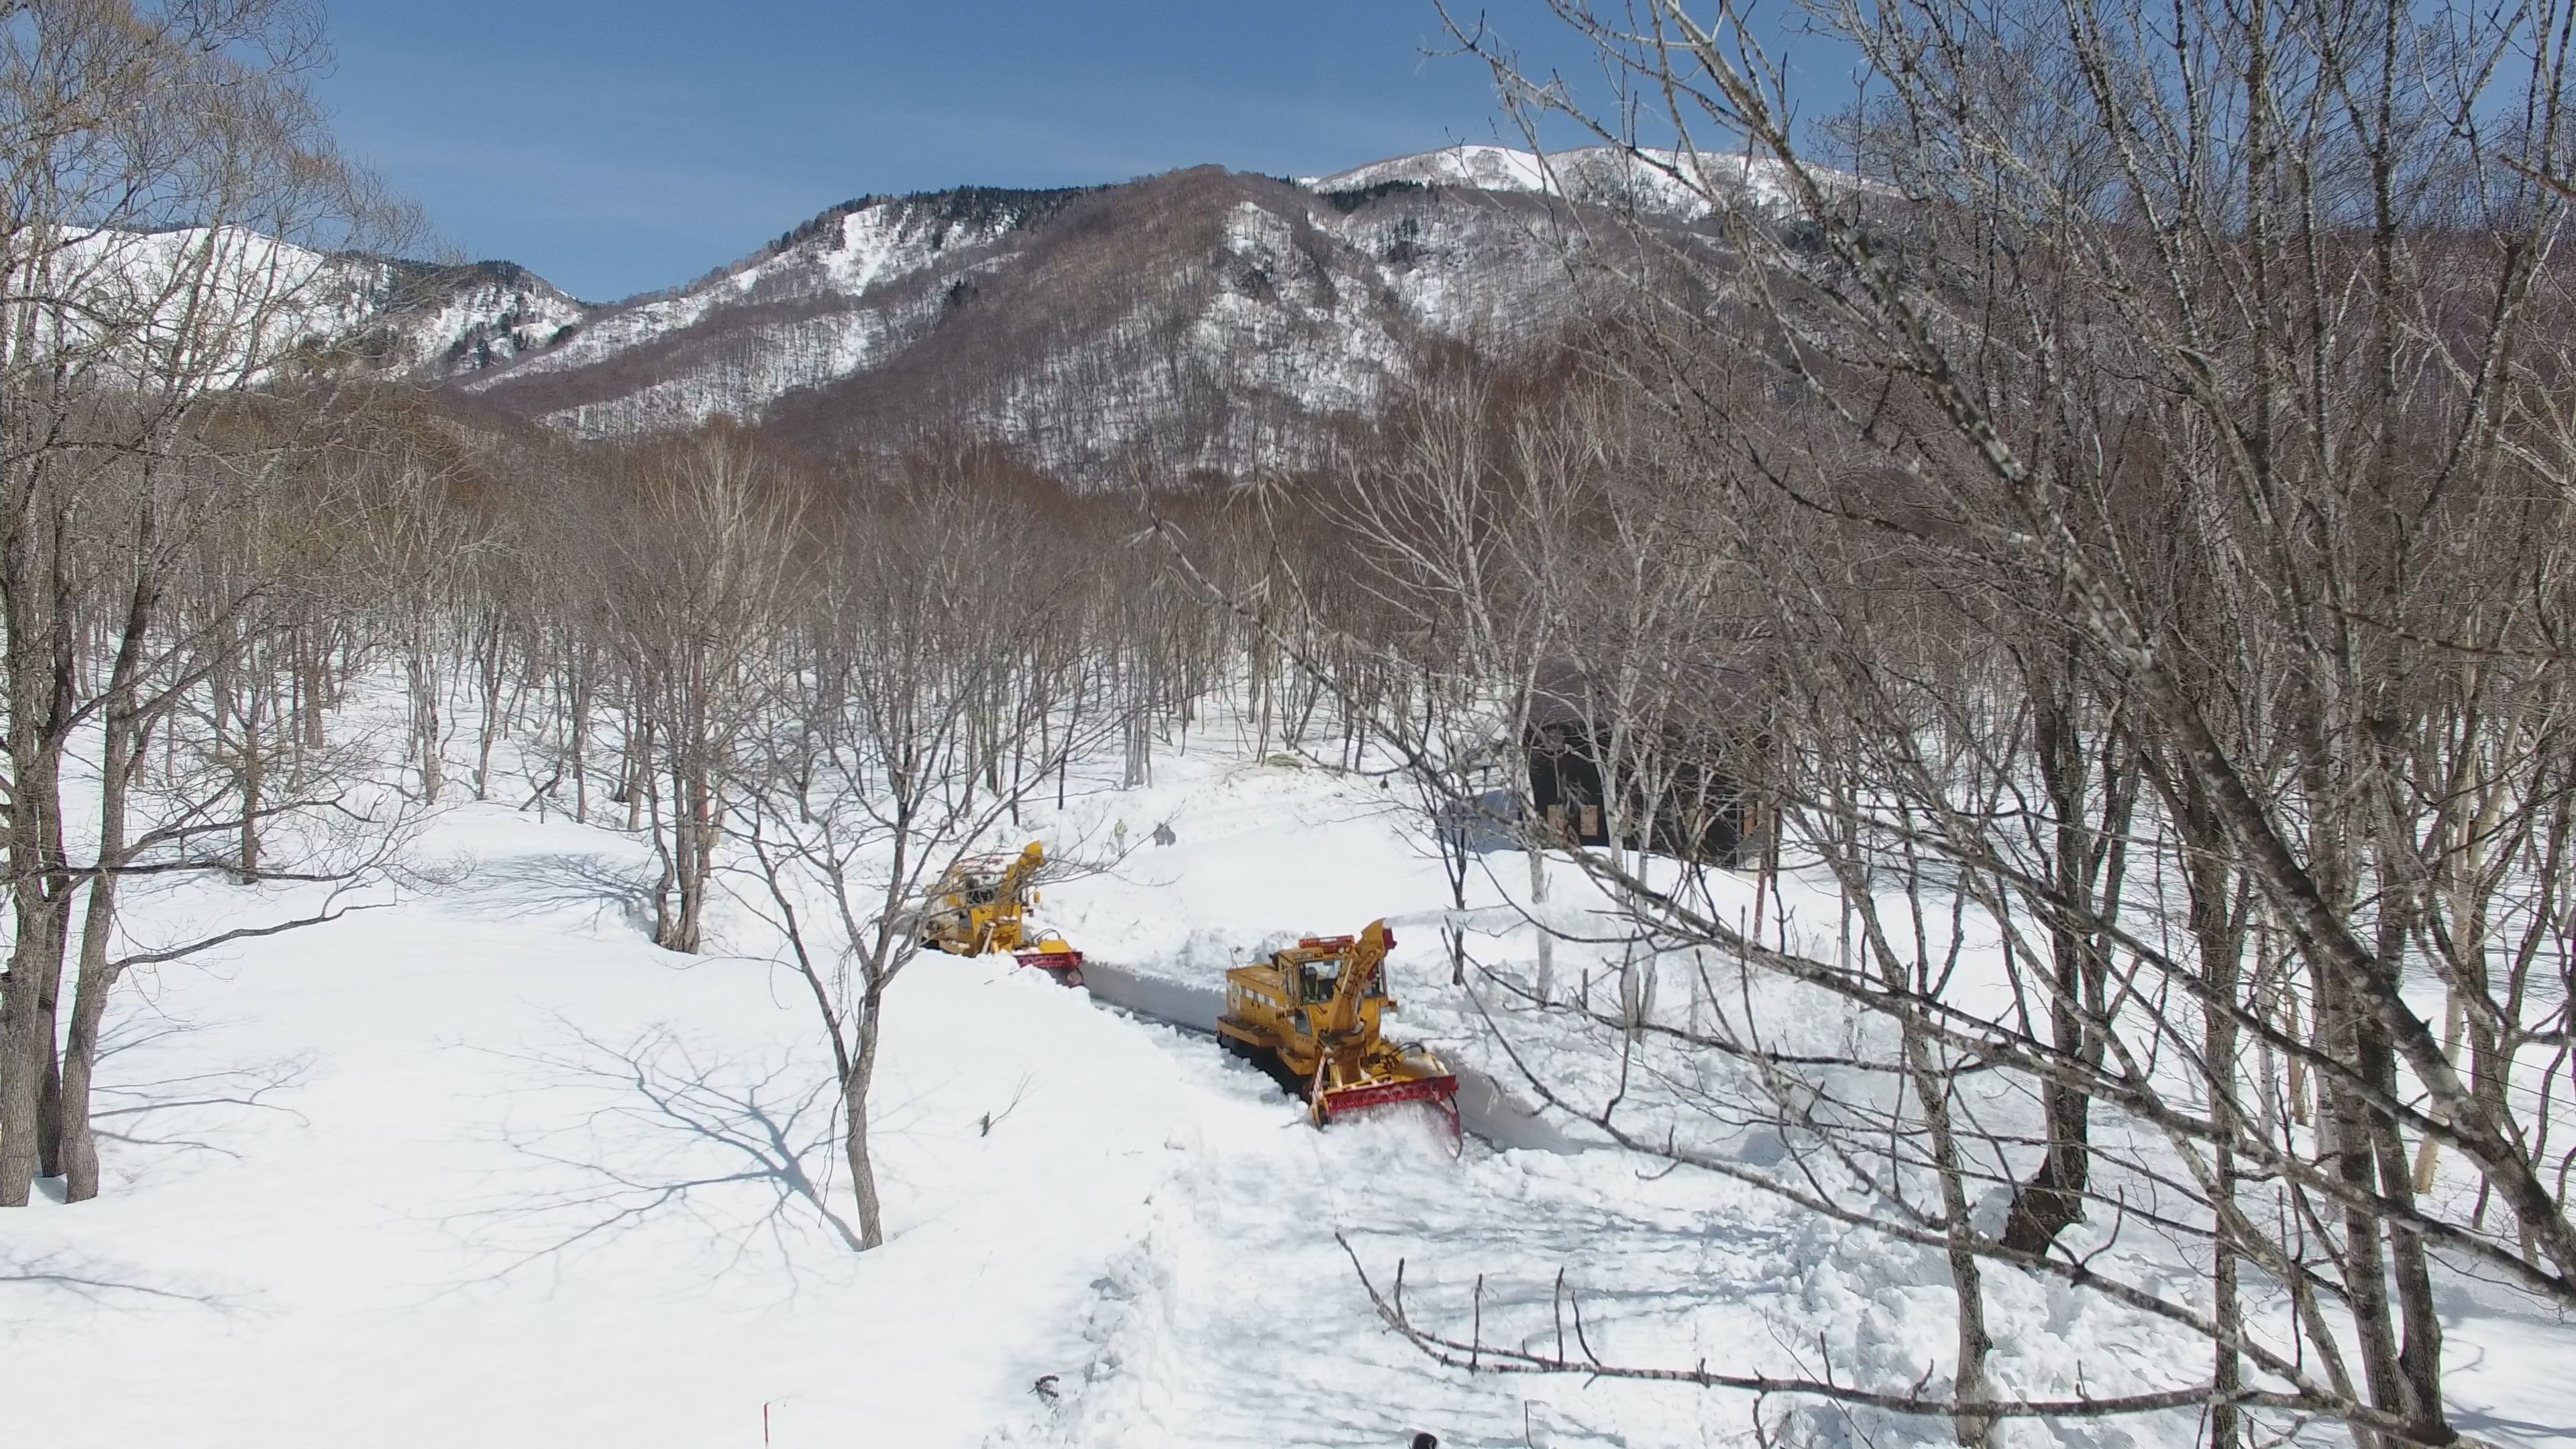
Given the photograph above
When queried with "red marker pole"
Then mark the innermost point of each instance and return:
(764, 1423)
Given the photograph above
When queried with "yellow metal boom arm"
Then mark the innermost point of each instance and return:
(1341, 1016)
(1016, 879)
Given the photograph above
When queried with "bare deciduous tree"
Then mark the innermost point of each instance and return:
(172, 202)
(929, 687)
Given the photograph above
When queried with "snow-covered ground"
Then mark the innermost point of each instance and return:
(487, 1168)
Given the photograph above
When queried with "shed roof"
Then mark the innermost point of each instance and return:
(1564, 693)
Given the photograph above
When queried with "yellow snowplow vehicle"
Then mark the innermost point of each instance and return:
(981, 904)
(1311, 1016)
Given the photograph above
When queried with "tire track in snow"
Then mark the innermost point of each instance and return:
(1234, 1319)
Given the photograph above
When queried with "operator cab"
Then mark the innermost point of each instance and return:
(1316, 980)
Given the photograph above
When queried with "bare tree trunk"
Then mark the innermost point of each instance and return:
(39, 664)
(254, 765)
(313, 693)
(854, 1124)
(1545, 987)
(491, 682)
(30, 1086)
(578, 665)
(1967, 1278)
(2053, 1199)
(638, 784)
(97, 975)
(428, 730)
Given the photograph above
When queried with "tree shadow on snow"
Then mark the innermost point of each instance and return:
(520, 886)
(659, 1133)
(37, 1286)
(2510, 1430)
(148, 1114)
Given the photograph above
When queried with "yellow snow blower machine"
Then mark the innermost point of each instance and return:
(1310, 1016)
(981, 904)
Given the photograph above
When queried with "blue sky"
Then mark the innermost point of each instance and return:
(617, 146)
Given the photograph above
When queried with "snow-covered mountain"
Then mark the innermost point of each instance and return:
(1666, 183)
(444, 322)
(1201, 319)
(217, 306)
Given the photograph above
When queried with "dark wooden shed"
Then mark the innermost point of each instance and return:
(1702, 809)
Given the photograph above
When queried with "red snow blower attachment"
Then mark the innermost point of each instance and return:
(1053, 954)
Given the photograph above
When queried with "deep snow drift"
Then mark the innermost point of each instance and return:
(485, 1167)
